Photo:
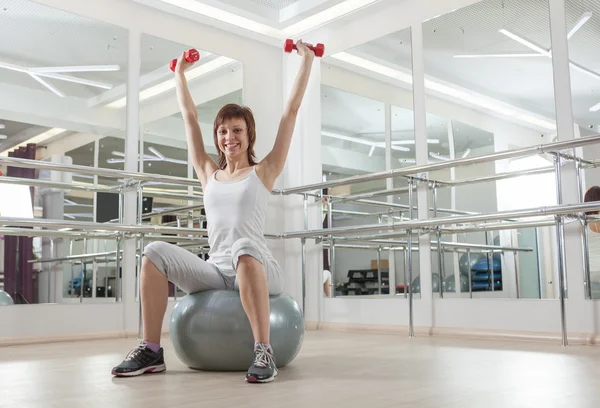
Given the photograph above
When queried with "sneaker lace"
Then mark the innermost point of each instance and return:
(262, 357)
(135, 352)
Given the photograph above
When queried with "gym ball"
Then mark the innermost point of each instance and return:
(210, 331)
(463, 262)
(5, 299)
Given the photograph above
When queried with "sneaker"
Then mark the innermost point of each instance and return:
(263, 369)
(141, 360)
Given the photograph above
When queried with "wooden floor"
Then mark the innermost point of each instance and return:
(333, 369)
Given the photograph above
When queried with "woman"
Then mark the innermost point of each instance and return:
(236, 191)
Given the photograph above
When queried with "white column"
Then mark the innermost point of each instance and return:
(564, 122)
(128, 265)
(421, 151)
(304, 166)
(389, 183)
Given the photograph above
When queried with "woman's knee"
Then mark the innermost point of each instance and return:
(245, 251)
(153, 256)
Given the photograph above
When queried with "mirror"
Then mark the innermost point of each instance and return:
(478, 61)
(63, 82)
(368, 127)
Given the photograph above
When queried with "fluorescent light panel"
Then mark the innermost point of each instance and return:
(224, 16)
(444, 89)
(363, 141)
(582, 20)
(307, 24)
(78, 68)
(498, 55)
(47, 85)
(326, 16)
(524, 42)
(170, 83)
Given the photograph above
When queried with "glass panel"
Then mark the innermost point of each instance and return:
(62, 113)
(478, 59)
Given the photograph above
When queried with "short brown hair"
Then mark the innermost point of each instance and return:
(234, 111)
(592, 194)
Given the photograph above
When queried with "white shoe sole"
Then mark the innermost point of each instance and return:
(146, 370)
(254, 380)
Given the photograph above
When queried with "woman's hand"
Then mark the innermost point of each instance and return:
(182, 64)
(305, 52)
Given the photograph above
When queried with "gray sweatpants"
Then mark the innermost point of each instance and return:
(193, 274)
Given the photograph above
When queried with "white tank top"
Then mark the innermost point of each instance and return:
(235, 209)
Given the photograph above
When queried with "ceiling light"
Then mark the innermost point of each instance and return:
(582, 20)
(498, 55)
(225, 16)
(36, 139)
(446, 90)
(170, 83)
(78, 68)
(595, 108)
(325, 16)
(525, 42)
(3, 137)
(47, 85)
(363, 141)
(309, 23)
(412, 142)
(373, 66)
(36, 74)
(2, 126)
(76, 80)
(547, 53)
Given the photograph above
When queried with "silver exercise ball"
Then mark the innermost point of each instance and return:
(5, 299)
(210, 331)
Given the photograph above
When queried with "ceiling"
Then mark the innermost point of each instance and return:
(523, 82)
(55, 38)
(34, 35)
(274, 4)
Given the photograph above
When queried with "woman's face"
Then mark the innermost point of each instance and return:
(232, 136)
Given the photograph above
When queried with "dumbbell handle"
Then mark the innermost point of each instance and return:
(190, 56)
(319, 49)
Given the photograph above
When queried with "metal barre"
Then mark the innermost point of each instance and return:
(407, 171)
(53, 184)
(95, 171)
(434, 222)
(49, 223)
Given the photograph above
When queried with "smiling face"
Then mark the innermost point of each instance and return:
(232, 137)
(234, 134)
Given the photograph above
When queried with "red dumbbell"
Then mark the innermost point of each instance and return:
(319, 49)
(190, 56)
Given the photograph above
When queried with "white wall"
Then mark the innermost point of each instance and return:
(303, 167)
